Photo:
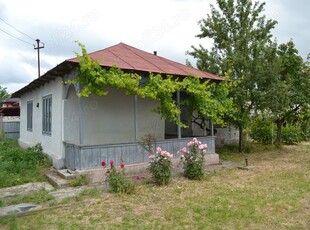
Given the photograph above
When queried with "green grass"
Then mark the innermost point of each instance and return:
(275, 195)
(38, 197)
(19, 166)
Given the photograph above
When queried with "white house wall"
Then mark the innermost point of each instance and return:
(110, 119)
(52, 144)
(149, 122)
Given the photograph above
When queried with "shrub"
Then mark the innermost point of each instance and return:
(193, 159)
(304, 125)
(117, 179)
(161, 166)
(19, 166)
(291, 135)
(263, 130)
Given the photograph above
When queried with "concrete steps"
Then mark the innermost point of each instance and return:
(60, 178)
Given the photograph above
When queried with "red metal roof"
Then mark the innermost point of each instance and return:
(126, 58)
(130, 58)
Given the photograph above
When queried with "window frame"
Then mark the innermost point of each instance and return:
(30, 115)
(47, 103)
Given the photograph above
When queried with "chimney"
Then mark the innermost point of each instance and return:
(155, 53)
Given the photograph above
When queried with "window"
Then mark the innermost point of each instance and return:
(29, 115)
(47, 115)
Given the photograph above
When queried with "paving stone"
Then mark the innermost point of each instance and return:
(25, 189)
(24, 207)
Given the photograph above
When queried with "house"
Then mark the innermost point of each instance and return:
(79, 132)
(10, 108)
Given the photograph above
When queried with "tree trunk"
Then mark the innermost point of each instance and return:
(279, 129)
(241, 144)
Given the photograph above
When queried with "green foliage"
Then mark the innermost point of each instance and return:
(239, 32)
(160, 166)
(262, 130)
(4, 94)
(210, 100)
(117, 180)
(193, 159)
(162, 90)
(18, 166)
(291, 134)
(95, 79)
(285, 86)
(304, 124)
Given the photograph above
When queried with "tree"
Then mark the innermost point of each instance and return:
(4, 94)
(240, 33)
(284, 85)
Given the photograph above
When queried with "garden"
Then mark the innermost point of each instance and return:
(274, 195)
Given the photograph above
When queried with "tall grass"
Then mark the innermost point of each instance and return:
(19, 166)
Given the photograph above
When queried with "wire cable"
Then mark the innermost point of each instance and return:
(16, 37)
(16, 29)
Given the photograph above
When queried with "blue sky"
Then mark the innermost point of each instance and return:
(167, 26)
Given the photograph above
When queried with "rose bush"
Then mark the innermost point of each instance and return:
(193, 159)
(117, 179)
(160, 166)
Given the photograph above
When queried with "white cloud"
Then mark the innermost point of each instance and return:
(167, 26)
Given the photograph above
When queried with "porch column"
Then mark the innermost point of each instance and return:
(212, 128)
(81, 117)
(136, 117)
(179, 116)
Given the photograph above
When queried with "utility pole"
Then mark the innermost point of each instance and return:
(38, 48)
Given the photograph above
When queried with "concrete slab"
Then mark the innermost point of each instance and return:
(24, 207)
(67, 174)
(25, 189)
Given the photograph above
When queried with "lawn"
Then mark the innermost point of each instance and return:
(275, 195)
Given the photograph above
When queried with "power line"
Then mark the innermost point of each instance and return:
(17, 29)
(16, 37)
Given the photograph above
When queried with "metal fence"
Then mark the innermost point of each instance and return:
(10, 129)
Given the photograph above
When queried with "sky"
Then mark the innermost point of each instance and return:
(166, 26)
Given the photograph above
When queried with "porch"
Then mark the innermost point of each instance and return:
(83, 157)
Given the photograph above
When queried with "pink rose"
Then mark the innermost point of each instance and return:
(158, 149)
(111, 162)
(122, 165)
(184, 150)
(103, 163)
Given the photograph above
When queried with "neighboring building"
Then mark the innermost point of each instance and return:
(80, 132)
(9, 118)
(10, 108)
